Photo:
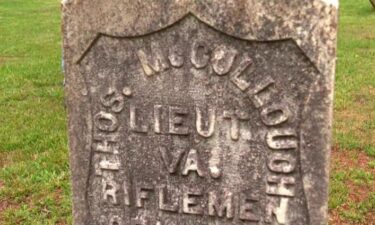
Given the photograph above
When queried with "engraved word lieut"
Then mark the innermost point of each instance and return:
(179, 118)
(176, 122)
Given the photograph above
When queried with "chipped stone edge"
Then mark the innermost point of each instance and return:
(334, 3)
(66, 2)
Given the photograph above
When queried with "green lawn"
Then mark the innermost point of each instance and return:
(34, 169)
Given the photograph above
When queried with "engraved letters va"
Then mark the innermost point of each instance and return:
(282, 143)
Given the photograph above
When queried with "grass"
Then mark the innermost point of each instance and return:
(34, 170)
(354, 126)
(34, 177)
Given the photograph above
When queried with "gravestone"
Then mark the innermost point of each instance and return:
(199, 112)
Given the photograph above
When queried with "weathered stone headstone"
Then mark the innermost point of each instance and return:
(199, 112)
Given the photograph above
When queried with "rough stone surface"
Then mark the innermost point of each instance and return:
(199, 112)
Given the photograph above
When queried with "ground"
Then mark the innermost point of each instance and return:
(34, 168)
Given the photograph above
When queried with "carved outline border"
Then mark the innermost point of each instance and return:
(187, 15)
